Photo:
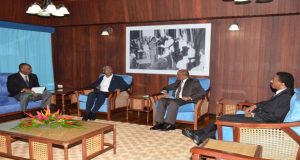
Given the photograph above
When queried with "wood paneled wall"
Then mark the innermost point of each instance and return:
(241, 66)
(242, 63)
(87, 12)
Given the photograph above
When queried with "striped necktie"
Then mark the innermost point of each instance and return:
(26, 81)
(178, 90)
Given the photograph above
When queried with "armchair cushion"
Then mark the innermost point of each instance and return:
(294, 113)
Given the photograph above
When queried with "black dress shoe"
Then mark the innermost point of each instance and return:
(168, 127)
(157, 126)
(188, 132)
(92, 116)
(84, 118)
(197, 139)
(23, 115)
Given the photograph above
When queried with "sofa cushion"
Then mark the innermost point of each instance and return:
(12, 105)
(3, 100)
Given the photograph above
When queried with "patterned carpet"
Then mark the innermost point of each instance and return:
(134, 142)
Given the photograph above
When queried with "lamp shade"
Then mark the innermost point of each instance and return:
(242, 1)
(234, 27)
(104, 33)
(51, 8)
(107, 32)
(34, 9)
(47, 8)
(63, 10)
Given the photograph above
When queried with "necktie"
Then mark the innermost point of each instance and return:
(27, 81)
(178, 91)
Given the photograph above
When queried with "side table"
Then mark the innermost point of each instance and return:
(230, 106)
(62, 93)
(139, 103)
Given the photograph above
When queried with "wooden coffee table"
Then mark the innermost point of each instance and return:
(41, 140)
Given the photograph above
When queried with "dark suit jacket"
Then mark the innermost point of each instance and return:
(191, 88)
(116, 82)
(15, 83)
(274, 109)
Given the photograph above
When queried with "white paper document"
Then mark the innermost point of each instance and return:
(39, 90)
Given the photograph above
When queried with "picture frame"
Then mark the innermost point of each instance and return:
(164, 49)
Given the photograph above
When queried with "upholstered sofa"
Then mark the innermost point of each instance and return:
(9, 105)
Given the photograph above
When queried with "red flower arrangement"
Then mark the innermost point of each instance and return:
(47, 119)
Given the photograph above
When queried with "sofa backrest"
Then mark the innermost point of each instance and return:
(204, 82)
(3, 80)
(294, 114)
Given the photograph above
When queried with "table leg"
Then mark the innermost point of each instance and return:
(63, 103)
(148, 109)
(66, 152)
(115, 140)
(127, 108)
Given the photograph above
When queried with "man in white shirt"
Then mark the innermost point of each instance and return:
(102, 87)
(185, 90)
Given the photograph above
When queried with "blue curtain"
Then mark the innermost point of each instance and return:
(29, 44)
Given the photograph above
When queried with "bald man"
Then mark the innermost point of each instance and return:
(102, 87)
(185, 90)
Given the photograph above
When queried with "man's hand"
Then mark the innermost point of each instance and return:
(250, 109)
(118, 91)
(186, 98)
(248, 114)
(26, 90)
(165, 94)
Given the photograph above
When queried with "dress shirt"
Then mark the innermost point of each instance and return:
(24, 77)
(104, 85)
(278, 91)
(182, 84)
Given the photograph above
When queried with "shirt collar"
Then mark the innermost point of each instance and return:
(183, 81)
(23, 75)
(278, 91)
(109, 76)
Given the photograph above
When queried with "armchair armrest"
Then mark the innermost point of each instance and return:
(197, 151)
(286, 127)
(156, 96)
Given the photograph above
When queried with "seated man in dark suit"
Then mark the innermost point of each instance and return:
(272, 110)
(186, 90)
(102, 87)
(19, 86)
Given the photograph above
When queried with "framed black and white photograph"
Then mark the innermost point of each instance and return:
(164, 49)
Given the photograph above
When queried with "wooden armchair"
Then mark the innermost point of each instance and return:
(188, 113)
(278, 140)
(115, 100)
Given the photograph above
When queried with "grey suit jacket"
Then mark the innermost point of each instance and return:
(191, 88)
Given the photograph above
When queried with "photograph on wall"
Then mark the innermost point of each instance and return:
(164, 49)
